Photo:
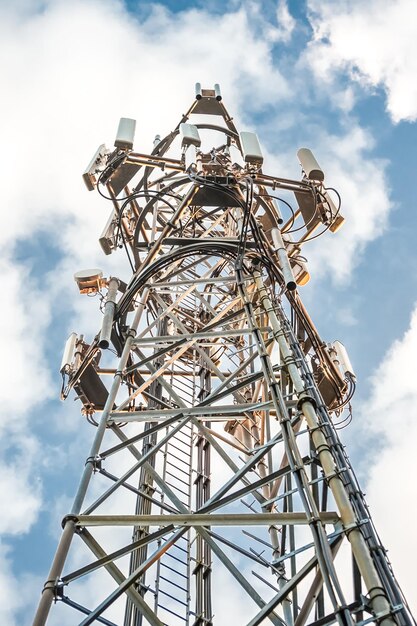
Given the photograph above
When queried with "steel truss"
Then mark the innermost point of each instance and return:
(216, 468)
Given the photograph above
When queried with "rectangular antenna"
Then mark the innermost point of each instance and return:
(125, 133)
(251, 149)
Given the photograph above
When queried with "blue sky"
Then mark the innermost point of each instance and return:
(337, 76)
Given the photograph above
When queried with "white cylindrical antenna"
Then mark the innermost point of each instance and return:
(283, 259)
(109, 310)
(125, 133)
(189, 135)
(342, 359)
(217, 92)
(69, 352)
(309, 164)
(280, 219)
(156, 140)
(251, 149)
(198, 94)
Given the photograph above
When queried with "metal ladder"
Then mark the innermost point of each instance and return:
(173, 573)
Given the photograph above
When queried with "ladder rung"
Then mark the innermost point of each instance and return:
(170, 454)
(172, 569)
(165, 593)
(178, 548)
(161, 606)
(177, 438)
(186, 427)
(172, 445)
(184, 383)
(177, 559)
(178, 459)
(177, 488)
(178, 468)
(176, 478)
(171, 582)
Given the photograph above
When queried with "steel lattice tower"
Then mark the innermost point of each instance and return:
(216, 467)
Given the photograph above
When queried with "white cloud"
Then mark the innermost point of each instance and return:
(286, 22)
(21, 491)
(9, 594)
(272, 26)
(374, 42)
(25, 317)
(391, 416)
(24, 383)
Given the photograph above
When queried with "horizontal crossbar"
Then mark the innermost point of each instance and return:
(206, 519)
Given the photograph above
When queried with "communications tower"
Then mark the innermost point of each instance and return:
(216, 490)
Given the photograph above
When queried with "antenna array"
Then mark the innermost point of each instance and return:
(216, 474)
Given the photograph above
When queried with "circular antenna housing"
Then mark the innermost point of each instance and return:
(89, 281)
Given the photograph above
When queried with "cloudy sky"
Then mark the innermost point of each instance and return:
(337, 76)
